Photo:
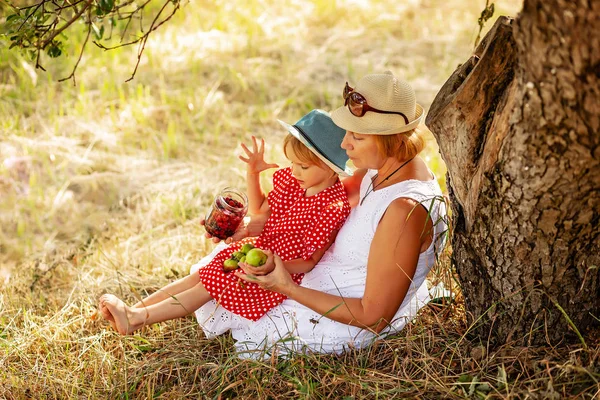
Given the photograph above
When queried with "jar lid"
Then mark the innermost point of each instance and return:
(233, 200)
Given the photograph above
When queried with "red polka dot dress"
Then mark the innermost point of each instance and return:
(297, 227)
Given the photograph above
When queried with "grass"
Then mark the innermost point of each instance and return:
(102, 186)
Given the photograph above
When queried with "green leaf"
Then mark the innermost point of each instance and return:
(483, 387)
(104, 7)
(98, 32)
(54, 50)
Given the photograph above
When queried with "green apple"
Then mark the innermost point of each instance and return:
(237, 255)
(246, 248)
(256, 257)
(230, 265)
(243, 259)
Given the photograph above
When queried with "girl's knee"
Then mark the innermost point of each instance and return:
(193, 278)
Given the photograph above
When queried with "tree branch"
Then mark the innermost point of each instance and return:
(57, 32)
(79, 59)
(152, 28)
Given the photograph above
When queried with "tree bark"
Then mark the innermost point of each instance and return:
(518, 127)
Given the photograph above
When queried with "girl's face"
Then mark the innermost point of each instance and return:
(309, 176)
(362, 150)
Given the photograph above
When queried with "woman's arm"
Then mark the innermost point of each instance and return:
(392, 262)
(255, 164)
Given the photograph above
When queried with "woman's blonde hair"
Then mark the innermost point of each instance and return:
(302, 152)
(402, 146)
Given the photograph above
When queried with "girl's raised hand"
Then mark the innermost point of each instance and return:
(255, 157)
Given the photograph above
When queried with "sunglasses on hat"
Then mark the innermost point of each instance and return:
(358, 106)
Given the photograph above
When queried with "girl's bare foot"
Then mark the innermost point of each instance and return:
(105, 312)
(126, 319)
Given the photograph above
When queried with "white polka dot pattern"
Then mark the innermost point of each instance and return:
(297, 227)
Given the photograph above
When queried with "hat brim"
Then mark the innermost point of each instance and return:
(373, 123)
(298, 135)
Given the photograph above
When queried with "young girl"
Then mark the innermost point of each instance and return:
(305, 209)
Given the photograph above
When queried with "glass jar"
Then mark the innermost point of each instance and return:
(228, 210)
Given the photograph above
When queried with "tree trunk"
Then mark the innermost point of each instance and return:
(518, 127)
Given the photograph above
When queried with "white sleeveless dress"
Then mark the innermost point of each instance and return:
(342, 271)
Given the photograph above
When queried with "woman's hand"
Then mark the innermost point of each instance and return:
(250, 227)
(278, 280)
(255, 160)
(264, 269)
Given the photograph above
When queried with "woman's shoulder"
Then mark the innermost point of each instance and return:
(352, 185)
(402, 207)
(420, 171)
(420, 181)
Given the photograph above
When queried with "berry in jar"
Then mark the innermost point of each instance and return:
(228, 210)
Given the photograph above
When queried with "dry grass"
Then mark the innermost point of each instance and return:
(102, 186)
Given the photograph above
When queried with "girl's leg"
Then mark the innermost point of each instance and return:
(129, 319)
(172, 289)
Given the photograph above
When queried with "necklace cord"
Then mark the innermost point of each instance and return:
(372, 188)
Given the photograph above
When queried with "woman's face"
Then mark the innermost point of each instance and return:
(362, 150)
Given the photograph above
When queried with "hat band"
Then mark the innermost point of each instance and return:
(358, 105)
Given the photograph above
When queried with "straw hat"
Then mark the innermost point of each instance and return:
(387, 93)
(317, 131)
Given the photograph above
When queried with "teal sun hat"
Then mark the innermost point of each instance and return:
(317, 131)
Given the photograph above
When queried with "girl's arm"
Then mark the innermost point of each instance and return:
(295, 266)
(300, 265)
(256, 198)
(392, 262)
(255, 164)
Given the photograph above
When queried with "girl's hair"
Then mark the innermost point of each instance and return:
(402, 146)
(303, 153)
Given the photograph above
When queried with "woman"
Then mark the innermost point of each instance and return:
(370, 282)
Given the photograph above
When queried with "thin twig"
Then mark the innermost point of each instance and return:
(22, 8)
(152, 28)
(29, 16)
(37, 61)
(70, 5)
(80, 55)
(66, 25)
